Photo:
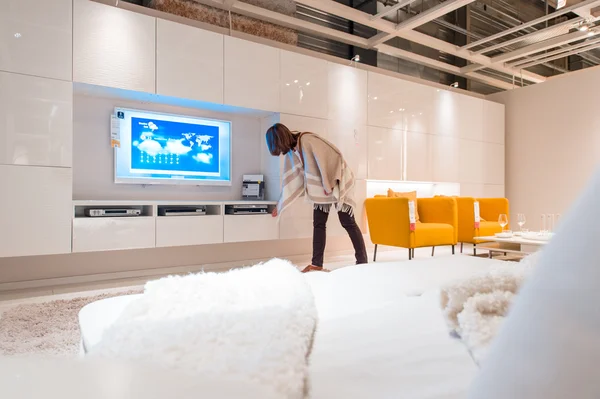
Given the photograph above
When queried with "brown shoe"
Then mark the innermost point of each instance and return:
(311, 268)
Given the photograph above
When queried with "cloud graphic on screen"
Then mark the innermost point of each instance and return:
(150, 147)
(205, 147)
(176, 147)
(202, 157)
(152, 126)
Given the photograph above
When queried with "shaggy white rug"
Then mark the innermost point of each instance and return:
(475, 308)
(48, 327)
(253, 325)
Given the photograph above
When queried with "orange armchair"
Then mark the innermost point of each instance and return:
(489, 211)
(389, 223)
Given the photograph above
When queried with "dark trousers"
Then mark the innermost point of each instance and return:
(320, 236)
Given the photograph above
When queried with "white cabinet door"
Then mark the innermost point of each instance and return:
(493, 164)
(385, 153)
(111, 234)
(471, 162)
(297, 221)
(351, 140)
(173, 231)
(36, 121)
(189, 62)
(36, 37)
(457, 115)
(251, 75)
(35, 210)
(304, 85)
(347, 95)
(305, 124)
(399, 104)
(445, 155)
(493, 122)
(418, 157)
(239, 228)
(113, 47)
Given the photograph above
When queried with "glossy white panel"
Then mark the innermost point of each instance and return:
(36, 121)
(188, 230)
(457, 115)
(493, 164)
(471, 161)
(399, 104)
(297, 221)
(445, 153)
(35, 210)
(493, 122)
(238, 228)
(36, 37)
(189, 62)
(108, 234)
(418, 157)
(251, 75)
(113, 47)
(347, 94)
(385, 157)
(305, 124)
(351, 140)
(493, 191)
(304, 85)
(472, 190)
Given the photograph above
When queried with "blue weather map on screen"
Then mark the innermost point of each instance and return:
(174, 146)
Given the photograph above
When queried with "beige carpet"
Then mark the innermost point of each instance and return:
(47, 328)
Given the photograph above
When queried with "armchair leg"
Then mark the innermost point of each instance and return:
(432, 251)
(453, 250)
(461, 247)
(375, 254)
(409, 254)
(474, 249)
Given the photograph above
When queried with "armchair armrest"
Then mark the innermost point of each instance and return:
(491, 208)
(388, 220)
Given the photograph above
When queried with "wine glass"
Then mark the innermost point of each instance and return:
(521, 220)
(503, 220)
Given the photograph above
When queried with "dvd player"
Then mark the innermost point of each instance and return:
(246, 209)
(112, 212)
(182, 211)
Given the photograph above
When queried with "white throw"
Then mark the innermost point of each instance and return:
(475, 308)
(250, 325)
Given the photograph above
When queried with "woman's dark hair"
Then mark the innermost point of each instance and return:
(280, 139)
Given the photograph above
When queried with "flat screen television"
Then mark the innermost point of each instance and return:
(157, 148)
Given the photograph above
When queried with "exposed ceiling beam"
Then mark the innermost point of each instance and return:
(557, 51)
(420, 19)
(530, 36)
(358, 16)
(441, 66)
(562, 55)
(392, 9)
(229, 3)
(541, 46)
(563, 11)
(472, 68)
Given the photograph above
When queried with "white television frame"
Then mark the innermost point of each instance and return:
(157, 180)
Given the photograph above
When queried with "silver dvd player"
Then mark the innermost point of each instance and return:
(112, 212)
(182, 211)
(247, 209)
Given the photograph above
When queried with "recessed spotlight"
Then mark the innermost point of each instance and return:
(583, 28)
(17, 35)
(455, 85)
(356, 58)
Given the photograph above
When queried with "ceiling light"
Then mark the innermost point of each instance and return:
(591, 33)
(296, 81)
(17, 35)
(455, 85)
(356, 58)
(583, 28)
(308, 83)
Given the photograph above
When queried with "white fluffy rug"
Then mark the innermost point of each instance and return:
(252, 325)
(476, 307)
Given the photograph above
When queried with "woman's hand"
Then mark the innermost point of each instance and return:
(274, 213)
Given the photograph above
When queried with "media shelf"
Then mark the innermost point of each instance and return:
(161, 225)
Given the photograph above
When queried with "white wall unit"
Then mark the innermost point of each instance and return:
(113, 47)
(347, 95)
(35, 210)
(385, 153)
(189, 62)
(173, 231)
(493, 164)
(457, 115)
(304, 85)
(251, 75)
(471, 162)
(418, 157)
(445, 158)
(351, 140)
(238, 228)
(36, 125)
(36, 37)
(113, 233)
(399, 104)
(493, 122)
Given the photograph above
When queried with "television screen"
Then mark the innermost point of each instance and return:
(158, 148)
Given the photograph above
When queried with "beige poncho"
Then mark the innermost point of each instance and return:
(318, 170)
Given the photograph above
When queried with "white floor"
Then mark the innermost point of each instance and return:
(67, 292)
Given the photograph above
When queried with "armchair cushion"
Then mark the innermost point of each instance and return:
(433, 234)
(411, 195)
